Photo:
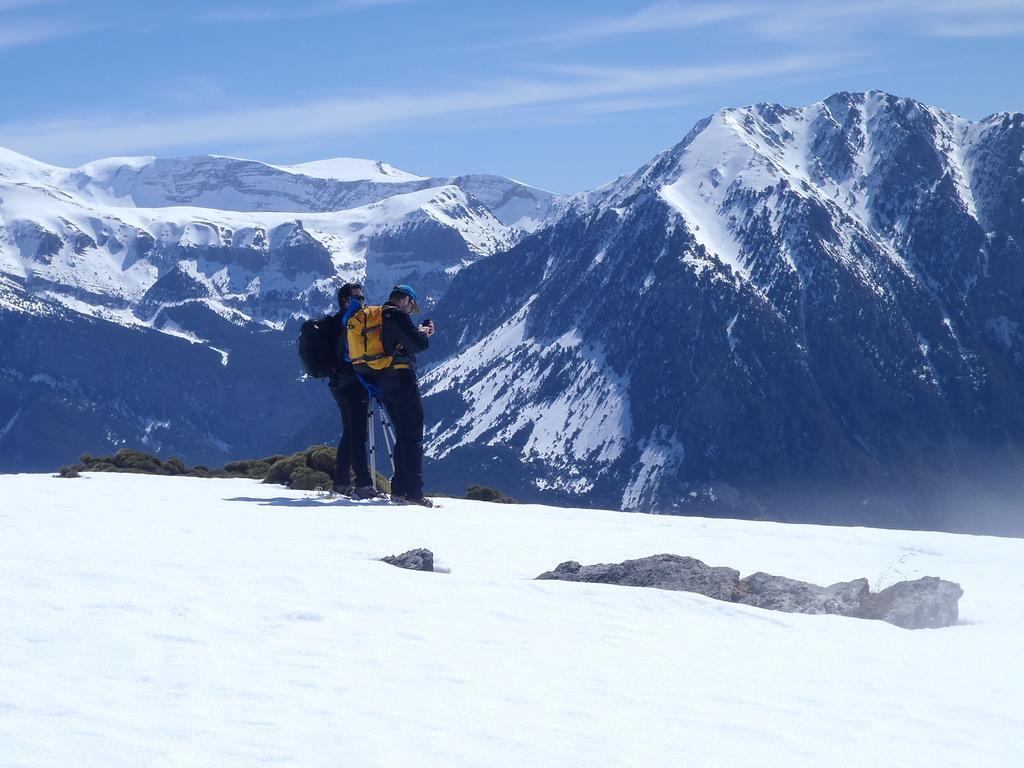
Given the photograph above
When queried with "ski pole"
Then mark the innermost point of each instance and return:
(385, 422)
(373, 446)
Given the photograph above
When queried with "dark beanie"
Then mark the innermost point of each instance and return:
(346, 291)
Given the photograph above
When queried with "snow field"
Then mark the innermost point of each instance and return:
(185, 622)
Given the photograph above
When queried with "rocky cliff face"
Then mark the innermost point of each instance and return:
(803, 313)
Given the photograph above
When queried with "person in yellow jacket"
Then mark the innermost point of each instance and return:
(390, 375)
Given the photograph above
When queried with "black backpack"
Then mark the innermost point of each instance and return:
(318, 346)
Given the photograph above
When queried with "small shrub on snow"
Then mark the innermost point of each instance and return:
(250, 468)
(133, 460)
(483, 493)
(308, 479)
(282, 470)
(175, 466)
(311, 469)
(323, 459)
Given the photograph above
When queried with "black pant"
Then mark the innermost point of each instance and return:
(353, 402)
(400, 394)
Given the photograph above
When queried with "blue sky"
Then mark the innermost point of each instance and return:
(563, 95)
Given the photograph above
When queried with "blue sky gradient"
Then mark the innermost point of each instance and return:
(565, 96)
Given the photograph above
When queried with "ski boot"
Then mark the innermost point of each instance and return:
(367, 492)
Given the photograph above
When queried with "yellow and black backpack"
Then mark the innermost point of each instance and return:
(366, 342)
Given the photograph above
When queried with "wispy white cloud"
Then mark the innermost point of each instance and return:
(17, 5)
(976, 19)
(24, 22)
(796, 20)
(629, 104)
(801, 19)
(591, 110)
(662, 17)
(620, 80)
(17, 33)
(357, 115)
(285, 11)
(975, 29)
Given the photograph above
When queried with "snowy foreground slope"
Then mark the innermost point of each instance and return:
(187, 622)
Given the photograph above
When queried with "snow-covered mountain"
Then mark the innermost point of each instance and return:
(152, 621)
(137, 233)
(220, 257)
(799, 312)
(803, 313)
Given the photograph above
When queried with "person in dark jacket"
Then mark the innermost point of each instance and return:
(353, 403)
(400, 391)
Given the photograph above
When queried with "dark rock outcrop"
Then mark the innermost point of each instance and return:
(414, 560)
(927, 603)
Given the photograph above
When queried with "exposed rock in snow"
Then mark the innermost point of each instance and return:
(928, 602)
(415, 560)
(779, 593)
(683, 574)
(923, 603)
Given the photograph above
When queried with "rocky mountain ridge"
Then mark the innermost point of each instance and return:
(226, 230)
(806, 313)
(800, 313)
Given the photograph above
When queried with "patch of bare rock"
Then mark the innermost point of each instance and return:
(414, 560)
(927, 602)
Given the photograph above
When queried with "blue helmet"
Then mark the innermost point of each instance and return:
(407, 290)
